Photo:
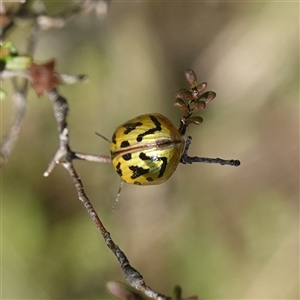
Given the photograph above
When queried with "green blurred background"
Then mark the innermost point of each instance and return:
(220, 232)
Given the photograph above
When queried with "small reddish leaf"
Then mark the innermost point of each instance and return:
(184, 94)
(43, 77)
(194, 120)
(208, 96)
(191, 78)
(179, 103)
(197, 105)
(201, 87)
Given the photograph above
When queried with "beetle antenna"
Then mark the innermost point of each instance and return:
(103, 137)
(118, 195)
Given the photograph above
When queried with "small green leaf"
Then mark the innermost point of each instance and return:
(7, 51)
(9, 46)
(19, 63)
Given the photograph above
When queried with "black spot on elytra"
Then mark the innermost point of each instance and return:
(149, 179)
(131, 126)
(143, 156)
(124, 144)
(113, 139)
(127, 156)
(137, 183)
(151, 130)
(118, 168)
(163, 166)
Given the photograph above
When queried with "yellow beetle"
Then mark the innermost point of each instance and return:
(146, 150)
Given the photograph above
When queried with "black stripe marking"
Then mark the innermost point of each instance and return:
(151, 130)
(138, 171)
(163, 166)
(118, 169)
(131, 126)
(113, 139)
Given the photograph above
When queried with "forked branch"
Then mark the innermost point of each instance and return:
(60, 108)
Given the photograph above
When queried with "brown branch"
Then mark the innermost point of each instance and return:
(131, 275)
(60, 108)
(8, 74)
(186, 159)
(92, 158)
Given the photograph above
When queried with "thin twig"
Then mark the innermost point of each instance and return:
(12, 134)
(186, 159)
(8, 74)
(131, 275)
(92, 158)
